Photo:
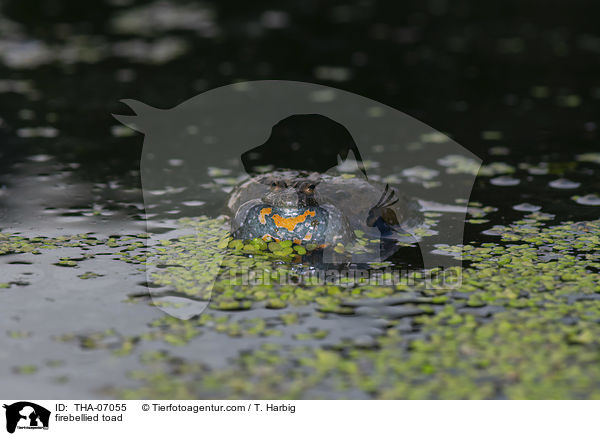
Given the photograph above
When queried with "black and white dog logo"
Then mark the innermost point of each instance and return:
(26, 415)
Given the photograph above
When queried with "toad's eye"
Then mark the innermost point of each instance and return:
(278, 184)
(309, 189)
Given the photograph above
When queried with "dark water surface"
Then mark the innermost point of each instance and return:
(514, 83)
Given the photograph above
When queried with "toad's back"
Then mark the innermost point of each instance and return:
(318, 208)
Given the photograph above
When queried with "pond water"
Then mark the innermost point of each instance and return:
(76, 315)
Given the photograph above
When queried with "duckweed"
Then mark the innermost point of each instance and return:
(526, 328)
(522, 323)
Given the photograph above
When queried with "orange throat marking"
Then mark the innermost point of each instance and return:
(292, 222)
(263, 213)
